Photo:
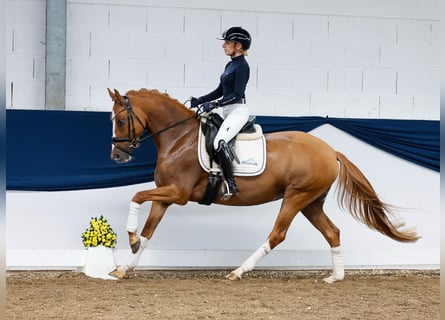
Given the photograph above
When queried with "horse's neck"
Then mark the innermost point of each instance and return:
(174, 117)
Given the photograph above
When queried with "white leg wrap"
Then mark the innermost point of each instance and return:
(338, 271)
(132, 220)
(250, 263)
(133, 259)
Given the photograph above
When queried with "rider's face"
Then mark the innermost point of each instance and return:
(231, 48)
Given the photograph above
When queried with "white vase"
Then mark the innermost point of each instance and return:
(99, 262)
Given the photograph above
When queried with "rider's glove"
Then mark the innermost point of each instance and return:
(194, 102)
(209, 106)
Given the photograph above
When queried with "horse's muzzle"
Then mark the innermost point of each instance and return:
(120, 156)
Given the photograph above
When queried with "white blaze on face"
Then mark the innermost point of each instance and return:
(113, 115)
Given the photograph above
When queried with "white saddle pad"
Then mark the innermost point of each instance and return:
(250, 149)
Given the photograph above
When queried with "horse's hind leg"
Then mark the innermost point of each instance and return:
(291, 205)
(315, 214)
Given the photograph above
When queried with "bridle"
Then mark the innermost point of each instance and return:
(134, 141)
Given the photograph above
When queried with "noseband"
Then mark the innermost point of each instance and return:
(134, 141)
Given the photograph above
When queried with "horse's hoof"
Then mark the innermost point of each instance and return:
(233, 276)
(332, 279)
(117, 273)
(135, 246)
(135, 243)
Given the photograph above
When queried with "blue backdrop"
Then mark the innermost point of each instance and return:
(69, 150)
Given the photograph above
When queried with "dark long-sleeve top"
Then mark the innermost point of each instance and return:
(233, 82)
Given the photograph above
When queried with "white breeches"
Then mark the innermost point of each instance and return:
(235, 117)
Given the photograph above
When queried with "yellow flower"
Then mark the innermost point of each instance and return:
(99, 233)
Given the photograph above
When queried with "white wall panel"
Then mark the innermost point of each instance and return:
(143, 46)
(128, 19)
(332, 105)
(362, 106)
(342, 80)
(364, 56)
(328, 53)
(128, 71)
(426, 9)
(185, 48)
(362, 30)
(275, 78)
(279, 52)
(79, 95)
(202, 22)
(310, 79)
(78, 43)
(418, 82)
(163, 21)
(28, 41)
(409, 56)
(414, 32)
(275, 26)
(427, 104)
(379, 81)
(291, 104)
(310, 28)
(97, 17)
(161, 74)
(400, 104)
(374, 38)
(109, 44)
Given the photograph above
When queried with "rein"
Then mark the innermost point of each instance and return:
(134, 141)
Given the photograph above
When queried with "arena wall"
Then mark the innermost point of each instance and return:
(44, 228)
(376, 59)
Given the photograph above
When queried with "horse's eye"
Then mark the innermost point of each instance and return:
(120, 122)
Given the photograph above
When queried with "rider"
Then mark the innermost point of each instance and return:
(231, 91)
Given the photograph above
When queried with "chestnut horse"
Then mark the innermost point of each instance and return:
(300, 170)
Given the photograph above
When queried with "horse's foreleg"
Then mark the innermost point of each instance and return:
(132, 226)
(132, 260)
(161, 199)
(156, 213)
(316, 216)
(166, 194)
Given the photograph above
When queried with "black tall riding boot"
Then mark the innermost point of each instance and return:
(225, 161)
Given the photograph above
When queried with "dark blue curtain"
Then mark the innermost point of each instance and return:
(68, 150)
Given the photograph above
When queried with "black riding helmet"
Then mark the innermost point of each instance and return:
(238, 34)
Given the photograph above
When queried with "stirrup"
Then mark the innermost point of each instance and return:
(226, 193)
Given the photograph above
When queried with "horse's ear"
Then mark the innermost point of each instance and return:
(112, 95)
(116, 97)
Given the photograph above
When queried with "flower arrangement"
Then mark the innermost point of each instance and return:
(99, 233)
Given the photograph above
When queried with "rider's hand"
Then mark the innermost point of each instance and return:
(194, 102)
(209, 106)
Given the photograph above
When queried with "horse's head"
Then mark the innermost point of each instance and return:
(127, 128)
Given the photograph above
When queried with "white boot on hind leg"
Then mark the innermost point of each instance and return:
(250, 263)
(338, 272)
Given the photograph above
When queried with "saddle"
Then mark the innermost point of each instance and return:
(210, 128)
(249, 146)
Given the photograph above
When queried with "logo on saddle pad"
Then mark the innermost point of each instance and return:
(250, 148)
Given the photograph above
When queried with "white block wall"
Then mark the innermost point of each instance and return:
(373, 59)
